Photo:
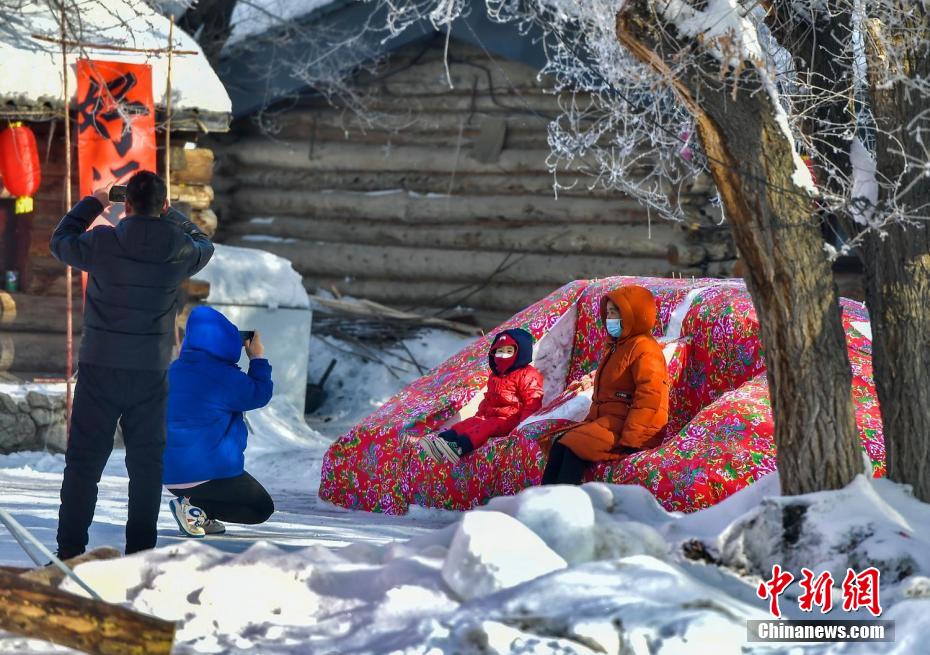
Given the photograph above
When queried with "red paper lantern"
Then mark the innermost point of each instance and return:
(19, 165)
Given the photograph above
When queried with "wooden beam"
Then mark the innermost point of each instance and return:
(38, 611)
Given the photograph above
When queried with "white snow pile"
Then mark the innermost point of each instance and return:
(596, 569)
(30, 69)
(245, 276)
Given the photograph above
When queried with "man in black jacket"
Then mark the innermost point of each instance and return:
(128, 336)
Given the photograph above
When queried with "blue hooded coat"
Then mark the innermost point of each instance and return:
(207, 394)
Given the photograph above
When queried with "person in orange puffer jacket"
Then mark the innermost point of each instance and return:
(515, 391)
(630, 403)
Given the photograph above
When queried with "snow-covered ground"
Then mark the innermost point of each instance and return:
(558, 570)
(596, 569)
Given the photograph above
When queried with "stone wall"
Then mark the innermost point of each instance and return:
(33, 422)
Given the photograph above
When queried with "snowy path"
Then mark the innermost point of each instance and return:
(30, 482)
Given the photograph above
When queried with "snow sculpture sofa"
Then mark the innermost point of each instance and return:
(719, 438)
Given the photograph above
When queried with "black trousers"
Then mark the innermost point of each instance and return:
(241, 499)
(138, 400)
(564, 466)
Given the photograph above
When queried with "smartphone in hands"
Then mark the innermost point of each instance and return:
(117, 193)
(245, 336)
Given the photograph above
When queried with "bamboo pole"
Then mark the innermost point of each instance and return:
(168, 110)
(105, 46)
(68, 274)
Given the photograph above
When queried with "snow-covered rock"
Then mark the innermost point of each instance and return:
(562, 516)
(871, 522)
(492, 551)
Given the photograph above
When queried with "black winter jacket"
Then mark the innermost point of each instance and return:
(135, 271)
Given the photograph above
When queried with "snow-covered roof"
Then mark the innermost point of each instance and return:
(30, 68)
(259, 16)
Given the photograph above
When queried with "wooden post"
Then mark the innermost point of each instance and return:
(68, 275)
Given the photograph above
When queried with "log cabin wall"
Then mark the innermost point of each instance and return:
(446, 200)
(33, 321)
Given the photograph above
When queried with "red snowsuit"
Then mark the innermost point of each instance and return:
(512, 395)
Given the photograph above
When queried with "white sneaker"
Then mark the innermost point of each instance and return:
(188, 517)
(212, 526)
(440, 450)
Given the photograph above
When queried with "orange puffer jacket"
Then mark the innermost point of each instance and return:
(630, 405)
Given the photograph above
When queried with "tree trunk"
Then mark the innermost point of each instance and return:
(898, 264)
(38, 611)
(787, 272)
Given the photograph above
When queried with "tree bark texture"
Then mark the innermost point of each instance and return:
(38, 611)
(898, 264)
(787, 272)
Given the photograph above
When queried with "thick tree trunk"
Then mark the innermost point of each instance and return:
(788, 275)
(898, 264)
(38, 611)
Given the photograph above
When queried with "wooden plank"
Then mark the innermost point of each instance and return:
(404, 263)
(554, 238)
(38, 611)
(401, 207)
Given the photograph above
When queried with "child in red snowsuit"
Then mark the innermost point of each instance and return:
(515, 391)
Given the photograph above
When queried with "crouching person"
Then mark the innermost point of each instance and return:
(207, 435)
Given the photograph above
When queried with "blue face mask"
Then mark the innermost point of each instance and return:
(614, 327)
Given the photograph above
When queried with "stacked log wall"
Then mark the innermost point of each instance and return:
(435, 196)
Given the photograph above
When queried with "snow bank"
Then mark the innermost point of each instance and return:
(30, 69)
(245, 276)
(497, 581)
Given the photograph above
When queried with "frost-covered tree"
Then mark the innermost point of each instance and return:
(742, 89)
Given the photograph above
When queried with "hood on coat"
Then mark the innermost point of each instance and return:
(211, 332)
(522, 340)
(637, 308)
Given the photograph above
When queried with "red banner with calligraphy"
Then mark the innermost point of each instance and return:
(115, 116)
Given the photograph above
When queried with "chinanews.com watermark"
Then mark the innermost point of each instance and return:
(859, 591)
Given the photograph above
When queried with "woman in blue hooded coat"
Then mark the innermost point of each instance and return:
(207, 435)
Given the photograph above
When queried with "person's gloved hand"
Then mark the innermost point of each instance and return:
(254, 347)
